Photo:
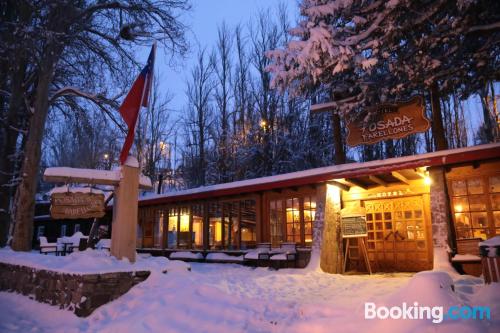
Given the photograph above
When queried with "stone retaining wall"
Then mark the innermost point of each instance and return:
(81, 294)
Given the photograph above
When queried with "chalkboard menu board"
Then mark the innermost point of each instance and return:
(354, 226)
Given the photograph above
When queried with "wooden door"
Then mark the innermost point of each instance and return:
(398, 234)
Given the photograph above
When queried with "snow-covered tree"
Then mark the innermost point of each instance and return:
(55, 39)
(369, 52)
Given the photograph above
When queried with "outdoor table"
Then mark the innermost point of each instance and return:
(67, 247)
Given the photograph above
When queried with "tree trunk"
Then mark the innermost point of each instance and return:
(9, 149)
(340, 157)
(13, 120)
(25, 195)
(437, 119)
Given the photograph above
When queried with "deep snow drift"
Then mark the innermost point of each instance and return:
(233, 298)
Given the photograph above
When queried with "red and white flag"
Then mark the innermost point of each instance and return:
(137, 96)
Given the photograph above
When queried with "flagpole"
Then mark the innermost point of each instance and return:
(144, 89)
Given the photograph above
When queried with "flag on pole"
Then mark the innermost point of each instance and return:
(137, 96)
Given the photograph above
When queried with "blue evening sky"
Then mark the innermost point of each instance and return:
(203, 21)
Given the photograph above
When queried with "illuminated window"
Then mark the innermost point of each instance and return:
(292, 219)
(309, 215)
(476, 206)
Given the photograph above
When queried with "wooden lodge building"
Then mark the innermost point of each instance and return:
(413, 205)
(408, 203)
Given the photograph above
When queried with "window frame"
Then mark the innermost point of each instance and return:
(491, 229)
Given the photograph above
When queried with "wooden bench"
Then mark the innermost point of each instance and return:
(285, 256)
(258, 256)
(467, 259)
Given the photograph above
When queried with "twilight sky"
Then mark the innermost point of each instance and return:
(203, 20)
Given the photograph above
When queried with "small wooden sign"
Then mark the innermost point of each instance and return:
(396, 121)
(75, 205)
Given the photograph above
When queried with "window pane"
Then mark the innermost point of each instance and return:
(495, 201)
(462, 220)
(463, 233)
(461, 204)
(496, 217)
(475, 186)
(477, 202)
(495, 184)
(479, 233)
(479, 220)
(459, 187)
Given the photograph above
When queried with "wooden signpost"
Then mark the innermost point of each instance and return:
(127, 181)
(353, 224)
(76, 205)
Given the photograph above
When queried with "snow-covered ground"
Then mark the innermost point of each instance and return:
(233, 298)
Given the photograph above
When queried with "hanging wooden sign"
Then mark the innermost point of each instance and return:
(76, 205)
(395, 121)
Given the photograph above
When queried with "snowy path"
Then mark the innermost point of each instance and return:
(296, 285)
(231, 298)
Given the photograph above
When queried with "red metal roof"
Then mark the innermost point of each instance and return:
(318, 175)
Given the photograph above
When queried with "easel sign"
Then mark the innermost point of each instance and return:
(353, 223)
(354, 226)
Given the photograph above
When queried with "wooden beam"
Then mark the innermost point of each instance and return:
(378, 180)
(400, 177)
(339, 185)
(419, 172)
(355, 182)
(323, 107)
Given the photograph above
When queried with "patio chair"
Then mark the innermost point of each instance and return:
(46, 247)
(285, 256)
(258, 256)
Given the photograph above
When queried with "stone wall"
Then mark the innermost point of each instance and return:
(331, 246)
(439, 208)
(319, 218)
(81, 294)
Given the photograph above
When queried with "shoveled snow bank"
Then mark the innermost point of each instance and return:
(85, 262)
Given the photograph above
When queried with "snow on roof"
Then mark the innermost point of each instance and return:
(76, 175)
(443, 157)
